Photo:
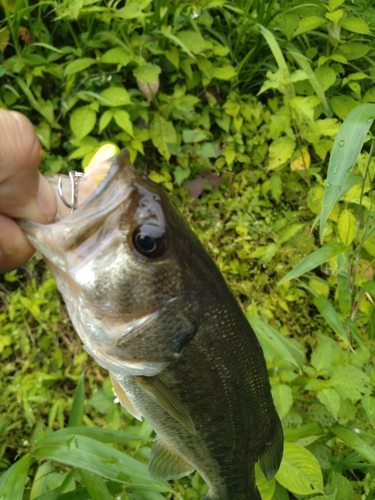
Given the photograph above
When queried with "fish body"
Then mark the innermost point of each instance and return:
(151, 306)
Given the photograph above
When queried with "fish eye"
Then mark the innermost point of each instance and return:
(149, 241)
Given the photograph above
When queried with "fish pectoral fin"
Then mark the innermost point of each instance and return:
(159, 393)
(272, 453)
(124, 399)
(165, 464)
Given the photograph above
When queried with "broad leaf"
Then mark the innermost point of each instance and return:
(122, 119)
(300, 471)
(148, 73)
(117, 96)
(78, 65)
(162, 133)
(82, 121)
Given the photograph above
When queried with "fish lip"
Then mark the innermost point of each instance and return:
(114, 190)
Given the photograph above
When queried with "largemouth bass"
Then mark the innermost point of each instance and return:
(153, 309)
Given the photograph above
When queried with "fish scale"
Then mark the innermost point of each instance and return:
(151, 306)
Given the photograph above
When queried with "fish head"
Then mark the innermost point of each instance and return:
(119, 261)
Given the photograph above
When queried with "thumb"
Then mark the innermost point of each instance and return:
(24, 193)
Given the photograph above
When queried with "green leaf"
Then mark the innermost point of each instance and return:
(275, 48)
(333, 4)
(105, 119)
(350, 382)
(117, 55)
(346, 227)
(304, 106)
(342, 105)
(316, 84)
(289, 232)
(280, 151)
(309, 23)
(192, 40)
(282, 398)
(91, 455)
(207, 150)
(326, 356)
(355, 25)
(346, 148)
(329, 313)
(181, 174)
(331, 400)
(274, 344)
(40, 480)
(355, 442)
(177, 41)
(326, 76)
(148, 73)
(100, 434)
(266, 488)
(117, 96)
(95, 485)
(300, 471)
(341, 486)
(225, 73)
(130, 11)
(368, 403)
(369, 286)
(76, 414)
(82, 121)
(122, 118)
(12, 482)
(314, 260)
(78, 65)
(162, 133)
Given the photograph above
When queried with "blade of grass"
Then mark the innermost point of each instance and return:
(303, 62)
(88, 454)
(76, 415)
(100, 434)
(313, 260)
(40, 482)
(56, 492)
(355, 442)
(329, 313)
(95, 485)
(12, 482)
(276, 344)
(275, 48)
(345, 151)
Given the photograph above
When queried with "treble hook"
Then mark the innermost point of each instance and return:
(74, 181)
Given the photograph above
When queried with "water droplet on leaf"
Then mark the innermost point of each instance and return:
(341, 143)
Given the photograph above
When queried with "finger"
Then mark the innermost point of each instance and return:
(23, 191)
(15, 249)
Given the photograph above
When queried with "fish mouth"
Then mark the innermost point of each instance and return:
(54, 239)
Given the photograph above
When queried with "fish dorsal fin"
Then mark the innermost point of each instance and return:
(124, 399)
(165, 464)
(272, 453)
(159, 393)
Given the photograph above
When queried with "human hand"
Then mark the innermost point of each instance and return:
(24, 193)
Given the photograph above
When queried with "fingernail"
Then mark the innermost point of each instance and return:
(46, 200)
